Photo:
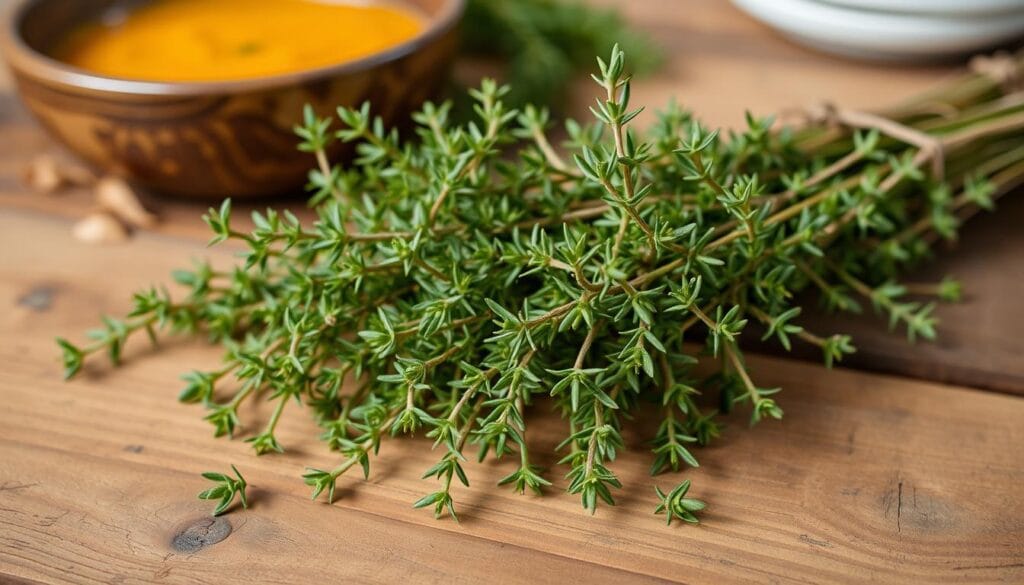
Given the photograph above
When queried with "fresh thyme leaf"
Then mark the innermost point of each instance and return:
(675, 504)
(452, 279)
(225, 490)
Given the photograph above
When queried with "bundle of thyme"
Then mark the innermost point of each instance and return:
(454, 278)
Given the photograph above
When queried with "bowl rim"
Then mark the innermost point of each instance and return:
(24, 60)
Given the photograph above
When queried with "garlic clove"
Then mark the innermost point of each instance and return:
(99, 228)
(43, 174)
(46, 174)
(119, 198)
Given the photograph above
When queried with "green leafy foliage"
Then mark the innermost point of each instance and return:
(454, 278)
(675, 504)
(543, 43)
(225, 490)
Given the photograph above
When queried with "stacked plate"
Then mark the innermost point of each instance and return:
(893, 29)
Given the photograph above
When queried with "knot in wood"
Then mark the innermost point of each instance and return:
(200, 534)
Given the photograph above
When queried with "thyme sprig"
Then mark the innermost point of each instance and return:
(453, 279)
(225, 490)
(675, 504)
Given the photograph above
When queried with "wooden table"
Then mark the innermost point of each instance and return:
(868, 477)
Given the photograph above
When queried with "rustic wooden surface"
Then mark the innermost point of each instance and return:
(867, 478)
(979, 342)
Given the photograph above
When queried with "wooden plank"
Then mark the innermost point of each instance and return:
(135, 527)
(978, 340)
(867, 478)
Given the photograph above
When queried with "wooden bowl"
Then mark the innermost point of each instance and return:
(220, 139)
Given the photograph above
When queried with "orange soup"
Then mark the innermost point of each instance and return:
(216, 40)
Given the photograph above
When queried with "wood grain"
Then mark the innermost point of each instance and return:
(979, 341)
(867, 477)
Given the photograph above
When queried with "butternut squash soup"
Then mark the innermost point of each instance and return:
(217, 40)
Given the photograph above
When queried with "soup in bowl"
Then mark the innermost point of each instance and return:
(199, 97)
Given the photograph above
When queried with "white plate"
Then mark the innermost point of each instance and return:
(877, 35)
(968, 7)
